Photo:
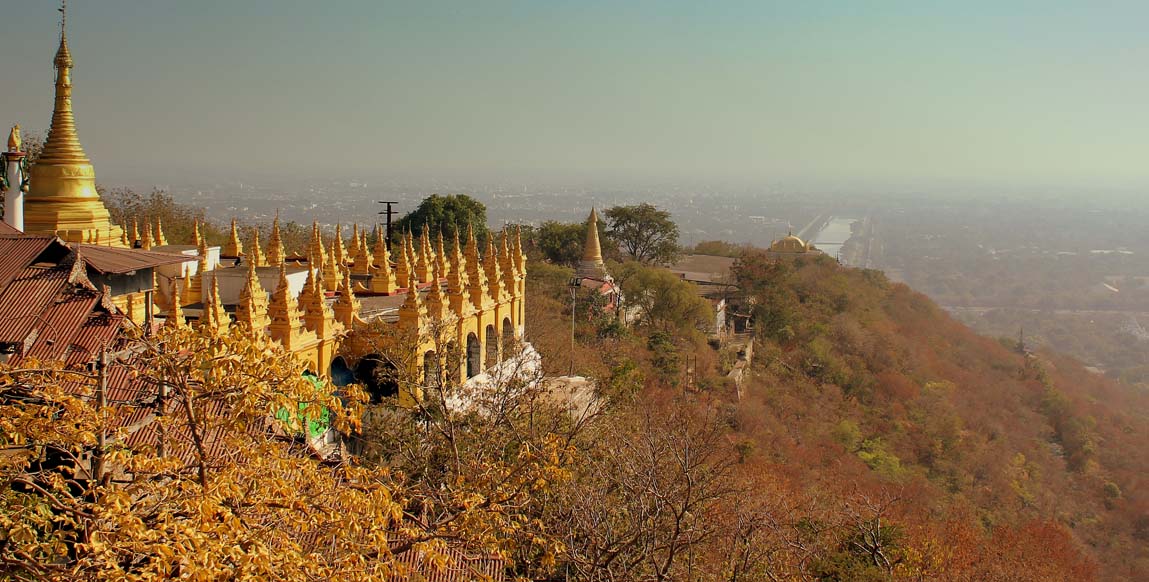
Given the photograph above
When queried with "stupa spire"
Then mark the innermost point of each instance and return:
(347, 306)
(317, 316)
(213, 317)
(591, 265)
(252, 308)
(477, 284)
(286, 327)
(256, 252)
(176, 313)
(411, 312)
(62, 197)
(363, 257)
(275, 252)
(234, 247)
(161, 240)
(493, 272)
(339, 251)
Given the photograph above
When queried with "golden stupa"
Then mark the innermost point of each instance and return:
(62, 197)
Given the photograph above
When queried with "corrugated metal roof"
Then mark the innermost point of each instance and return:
(117, 260)
(23, 301)
(17, 252)
(7, 229)
(98, 331)
(61, 321)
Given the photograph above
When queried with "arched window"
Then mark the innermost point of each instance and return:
(431, 373)
(452, 360)
(378, 376)
(492, 346)
(474, 352)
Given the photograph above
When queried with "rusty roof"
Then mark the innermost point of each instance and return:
(704, 268)
(23, 301)
(118, 261)
(61, 321)
(17, 252)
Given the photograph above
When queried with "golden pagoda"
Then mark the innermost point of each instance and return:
(591, 266)
(62, 197)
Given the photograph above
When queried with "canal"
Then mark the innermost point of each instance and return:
(835, 234)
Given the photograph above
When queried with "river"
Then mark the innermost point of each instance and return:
(835, 234)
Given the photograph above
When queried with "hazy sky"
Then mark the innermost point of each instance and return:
(998, 92)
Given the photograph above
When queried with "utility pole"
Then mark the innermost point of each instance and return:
(101, 404)
(389, 212)
(574, 285)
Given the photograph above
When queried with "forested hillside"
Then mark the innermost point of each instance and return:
(878, 438)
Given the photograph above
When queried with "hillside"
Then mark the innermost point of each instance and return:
(879, 438)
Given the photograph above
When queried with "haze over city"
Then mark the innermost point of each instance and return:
(971, 96)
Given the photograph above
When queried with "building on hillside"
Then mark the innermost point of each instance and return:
(66, 302)
(591, 273)
(714, 279)
(791, 247)
(322, 304)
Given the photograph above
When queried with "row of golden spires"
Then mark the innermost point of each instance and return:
(474, 283)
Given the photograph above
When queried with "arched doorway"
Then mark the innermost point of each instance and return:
(492, 346)
(432, 377)
(341, 373)
(474, 352)
(378, 376)
(508, 336)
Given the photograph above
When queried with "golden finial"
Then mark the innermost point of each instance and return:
(411, 312)
(339, 251)
(14, 141)
(148, 241)
(161, 240)
(256, 252)
(435, 303)
(317, 316)
(347, 306)
(363, 258)
(275, 251)
(382, 278)
(213, 316)
(234, 248)
(330, 269)
(252, 308)
(403, 265)
(493, 272)
(176, 313)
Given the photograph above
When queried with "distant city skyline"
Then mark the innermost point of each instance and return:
(978, 94)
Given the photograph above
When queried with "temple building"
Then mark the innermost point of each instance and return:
(791, 247)
(397, 319)
(62, 198)
(591, 272)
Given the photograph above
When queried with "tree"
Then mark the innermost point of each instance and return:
(481, 459)
(663, 301)
(720, 248)
(126, 205)
(644, 232)
(560, 243)
(447, 214)
(217, 482)
(647, 496)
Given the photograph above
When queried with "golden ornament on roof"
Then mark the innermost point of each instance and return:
(14, 141)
